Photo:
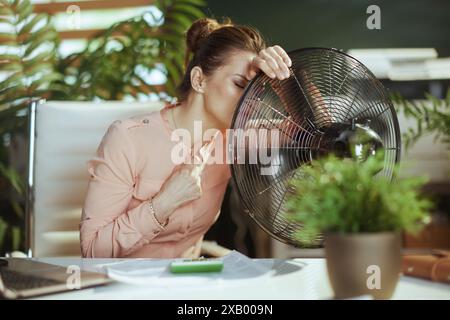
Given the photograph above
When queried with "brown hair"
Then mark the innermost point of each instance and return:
(210, 42)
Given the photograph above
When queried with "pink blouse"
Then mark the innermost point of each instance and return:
(132, 162)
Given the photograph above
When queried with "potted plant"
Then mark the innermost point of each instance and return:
(361, 215)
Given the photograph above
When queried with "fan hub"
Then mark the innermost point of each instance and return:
(356, 141)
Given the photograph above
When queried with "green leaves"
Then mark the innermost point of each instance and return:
(431, 115)
(13, 177)
(341, 195)
(26, 69)
(10, 236)
(140, 48)
(178, 17)
(27, 59)
(107, 69)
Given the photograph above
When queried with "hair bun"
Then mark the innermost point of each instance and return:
(199, 30)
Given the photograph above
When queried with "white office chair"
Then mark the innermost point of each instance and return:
(63, 137)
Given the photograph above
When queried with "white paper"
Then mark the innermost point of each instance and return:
(236, 267)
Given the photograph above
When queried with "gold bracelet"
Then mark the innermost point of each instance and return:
(152, 209)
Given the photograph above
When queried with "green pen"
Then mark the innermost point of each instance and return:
(196, 265)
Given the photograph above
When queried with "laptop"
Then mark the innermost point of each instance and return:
(24, 278)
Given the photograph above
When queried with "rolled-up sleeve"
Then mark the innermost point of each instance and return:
(107, 228)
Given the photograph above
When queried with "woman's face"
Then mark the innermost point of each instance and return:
(226, 85)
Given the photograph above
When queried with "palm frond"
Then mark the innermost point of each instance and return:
(24, 67)
(102, 72)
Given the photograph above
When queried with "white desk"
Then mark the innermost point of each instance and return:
(292, 279)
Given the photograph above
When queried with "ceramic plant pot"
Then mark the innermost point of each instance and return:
(363, 263)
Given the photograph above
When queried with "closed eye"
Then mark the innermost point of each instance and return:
(239, 85)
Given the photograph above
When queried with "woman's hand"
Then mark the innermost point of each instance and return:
(274, 62)
(183, 186)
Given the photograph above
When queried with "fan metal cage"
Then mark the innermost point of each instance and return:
(327, 93)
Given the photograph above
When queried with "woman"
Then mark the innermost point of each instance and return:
(139, 202)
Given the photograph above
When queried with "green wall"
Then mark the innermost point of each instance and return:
(342, 24)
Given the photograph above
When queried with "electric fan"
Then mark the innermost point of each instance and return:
(330, 103)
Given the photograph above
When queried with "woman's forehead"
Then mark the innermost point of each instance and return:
(240, 62)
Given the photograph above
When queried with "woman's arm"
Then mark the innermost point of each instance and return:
(107, 228)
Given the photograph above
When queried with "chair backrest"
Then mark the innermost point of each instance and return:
(65, 136)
